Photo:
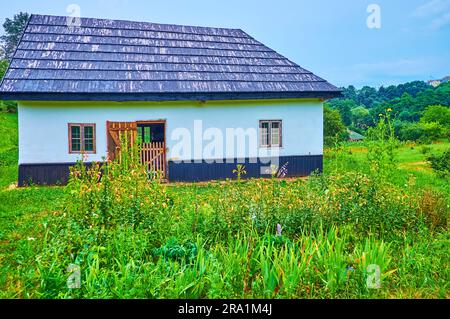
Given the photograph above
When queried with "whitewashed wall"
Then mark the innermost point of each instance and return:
(43, 131)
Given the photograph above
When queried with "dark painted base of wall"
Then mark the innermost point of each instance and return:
(58, 174)
(45, 174)
(202, 171)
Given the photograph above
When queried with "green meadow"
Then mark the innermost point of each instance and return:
(374, 225)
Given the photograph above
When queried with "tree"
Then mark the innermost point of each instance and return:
(349, 93)
(403, 108)
(344, 107)
(13, 29)
(361, 117)
(367, 96)
(407, 115)
(390, 93)
(3, 67)
(334, 129)
(370, 97)
(438, 114)
(412, 88)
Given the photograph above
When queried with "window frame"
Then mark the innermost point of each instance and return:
(82, 138)
(280, 137)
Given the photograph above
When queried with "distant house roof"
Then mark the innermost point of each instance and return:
(438, 82)
(354, 136)
(123, 60)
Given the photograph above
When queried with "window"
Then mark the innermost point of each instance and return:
(270, 133)
(81, 138)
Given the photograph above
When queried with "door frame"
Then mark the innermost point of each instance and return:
(160, 121)
(140, 122)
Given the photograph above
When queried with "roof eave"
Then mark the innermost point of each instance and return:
(158, 97)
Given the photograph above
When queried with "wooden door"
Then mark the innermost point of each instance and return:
(118, 131)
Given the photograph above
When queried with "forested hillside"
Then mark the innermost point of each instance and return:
(418, 110)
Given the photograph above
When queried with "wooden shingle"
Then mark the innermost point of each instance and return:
(124, 60)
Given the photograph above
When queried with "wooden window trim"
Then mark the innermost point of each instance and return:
(162, 121)
(151, 122)
(270, 133)
(94, 138)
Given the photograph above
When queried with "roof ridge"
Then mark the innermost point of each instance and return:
(135, 22)
(168, 80)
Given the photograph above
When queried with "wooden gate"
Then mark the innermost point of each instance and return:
(153, 154)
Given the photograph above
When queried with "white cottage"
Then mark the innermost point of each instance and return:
(200, 100)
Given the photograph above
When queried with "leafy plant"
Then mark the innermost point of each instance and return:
(382, 145)
(173, 250)
(239, 171)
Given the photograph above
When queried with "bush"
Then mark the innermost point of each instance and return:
(436, 114)
(425, 149)
(423, 132)
(411, 132)
(434, 208)
(8, 106)
(431, 132)
(441, 163)
(116, 194)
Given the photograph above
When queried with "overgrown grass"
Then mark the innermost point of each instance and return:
(413, 168)
(135, 238)
(8, 148)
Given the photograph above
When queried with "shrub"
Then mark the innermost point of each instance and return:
(411, 132)
(431, 132)
(115, 194)
(436, 114)
(8, 106)
(441, 163)
(434, 208)
(425, 149)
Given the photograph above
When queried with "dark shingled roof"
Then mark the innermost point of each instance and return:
(124, 60)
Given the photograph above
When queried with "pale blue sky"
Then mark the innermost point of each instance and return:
(328, 37)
